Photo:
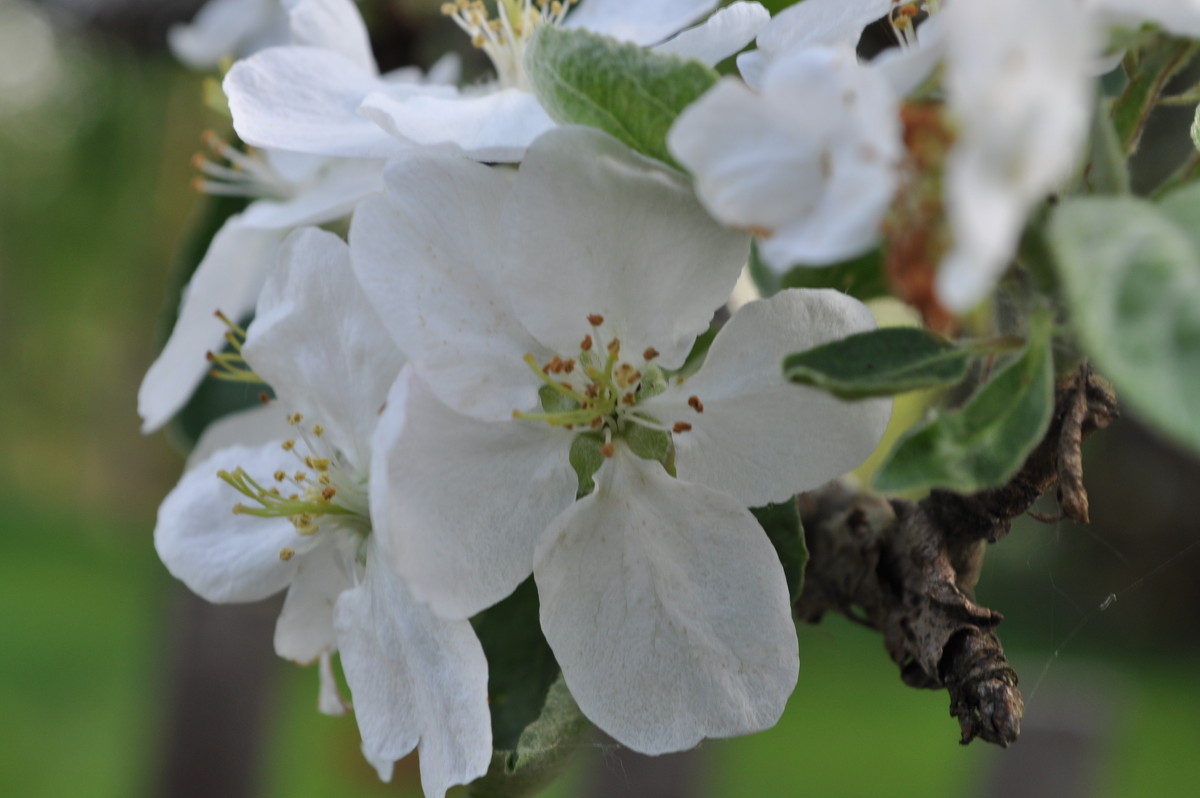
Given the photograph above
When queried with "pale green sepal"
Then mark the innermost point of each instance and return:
(1131, 277)
(879, 363)
(586, 459)
(543, 750)
(627, 91)
(983, 443)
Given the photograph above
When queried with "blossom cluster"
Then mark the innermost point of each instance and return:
(494, 375)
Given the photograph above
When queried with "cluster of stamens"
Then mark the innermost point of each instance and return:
(231, 365)
(235, 173)
(906, 15)
(597, 390)
(504, 36)
(303, 496)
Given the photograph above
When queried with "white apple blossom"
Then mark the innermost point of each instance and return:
(290, 190)
(1018, 85)
(311, 100)
(544, 316)
(228, 29)
(270, 512)
(809, 164)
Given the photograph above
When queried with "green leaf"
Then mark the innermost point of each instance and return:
(542, 752)
(782, 525)
(1131, 277)
(861, 278)
(1149, 69)
(879, 363)
(983, 443)
(628, 91)
(521, 666)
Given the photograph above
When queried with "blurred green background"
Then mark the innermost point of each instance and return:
(95, 141)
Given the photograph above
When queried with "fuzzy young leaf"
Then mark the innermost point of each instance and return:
(983, 443)
(1131, 275)
(782, 525)
(879, 363)
(542, 752)
(521, 666)
(627, 91)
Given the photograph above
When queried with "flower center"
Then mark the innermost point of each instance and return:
(906, 15)
(600, 391)
(324, 489)
(504, 36)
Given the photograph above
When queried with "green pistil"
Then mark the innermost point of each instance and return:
(274, 505)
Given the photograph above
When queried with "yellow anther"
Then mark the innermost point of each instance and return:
(289, 445)
(294, 419)
(287, 553)
(299, 476)
(318, 430)
(280, 476)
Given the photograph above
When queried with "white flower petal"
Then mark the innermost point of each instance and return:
(667, 609)
(414, 677)
(305, 627)
(837, 23)
(821, 22)
(721, 35)
(227, 279)
(1181, 17)
(459, 504)
(759, 437)
(493, 127)
(254, 426)
(221, 556)
(809, 164)
(317, 341)
(644, 22)
(225, 28)
(594, 228)
(1018, 83)
(329, 195)
(330, 700)
(306, 99)
(425, 254)
(333, 25)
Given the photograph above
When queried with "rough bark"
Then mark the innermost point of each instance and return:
(908, 570)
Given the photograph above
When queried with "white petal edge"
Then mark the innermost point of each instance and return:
(306, 99)
(493, 127)
(414, 677)
(760, 438)
(720, 36)
(334, 25)
(644, 22)
(667, 608)
(458, 504)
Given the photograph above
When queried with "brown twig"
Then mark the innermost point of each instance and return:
(909, 569)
